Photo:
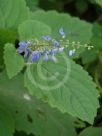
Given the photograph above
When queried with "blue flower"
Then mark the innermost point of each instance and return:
(26, 54)
(46, 57)
(54, 51)
(34, 57)
(61, 31)
(56, 43)
(28, 50)
(46, 38)
(22, 46)
(61, 49)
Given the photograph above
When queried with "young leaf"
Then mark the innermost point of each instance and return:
(64, 85)
(7, 125)
(13, 61)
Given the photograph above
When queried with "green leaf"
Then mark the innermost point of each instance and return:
(14, 12)
(32, 4)
(30, 114)
(5, 37)
(96, 42)
(99, 2)
(13, 61)
(7, 125)
(92, 131)
(89, 56)
(33, 29)
(96, 39)
(62, 85)
(2, 22)
(81, 6)
(75, 29)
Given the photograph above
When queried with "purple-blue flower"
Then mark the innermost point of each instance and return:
(46, 57)
(46, 38)
(54, 51)
(61, 31)
(22, 46)
(34, 57)
(61, 48)
(56, 43)
(26, 54)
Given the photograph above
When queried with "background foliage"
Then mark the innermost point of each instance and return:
(70, 110)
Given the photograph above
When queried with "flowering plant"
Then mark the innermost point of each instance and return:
(50, 69)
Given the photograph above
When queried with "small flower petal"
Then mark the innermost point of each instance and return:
(25, 54)
(20, 50)
(34, 57)
(54, 51)
(22, 46)
(46, 38)
(61, 49)
(29, 50)
(61, 32)
(56, 43)
(46, 57)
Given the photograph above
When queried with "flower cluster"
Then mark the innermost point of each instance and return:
(47, 48)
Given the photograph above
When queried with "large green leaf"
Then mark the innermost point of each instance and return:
(13, 12)
(64, 85)
(31, 115)
(33, 29)
(61, 84)
(7, 125)
(75, 29)
(13, 61)
(92, 131)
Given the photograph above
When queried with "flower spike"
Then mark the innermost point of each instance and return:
(48, 47)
